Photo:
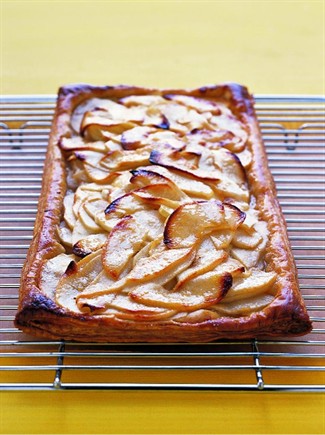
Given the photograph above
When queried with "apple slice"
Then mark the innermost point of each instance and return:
(93, 206)
(248, 257)
(88, 222)
(161, 138)
(65, 234)
(90, 157)
(201, 292)
(161, 267)
(243, 239)
(130, 310)
(142, 100)
(136, 137)
(79, 232)
(89, 244)
(76, 278)
(231, 266)
(226, 188)
(51, 272)
(207, 258)
(245, 158)
(154, 201)
(123, 242)
(199, 104)
(183, 161)
(191, 187)
(240, 308)
(151, 222)
(91, 104)
(193, 221)
(98, 175)
(80, 196)
(77, 143)
(125, 159)
(211, 139)
(230, 165)
(257, 282)
(146, 177)
(227, 121)
(68, 214)
(126, 204)
(146, 180)
(96, 126)
(182, 119)
(124, 308)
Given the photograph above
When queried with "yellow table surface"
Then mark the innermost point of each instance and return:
(273, 47)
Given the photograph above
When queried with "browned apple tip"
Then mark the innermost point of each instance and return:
(144, 177)
(183, 161)
(135, 138)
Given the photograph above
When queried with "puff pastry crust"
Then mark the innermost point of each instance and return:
(158, 222)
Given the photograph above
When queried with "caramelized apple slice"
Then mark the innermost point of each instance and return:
(161, 266)
(257, 282)
(189, 186)
(76, 278)
(146, 177)
(126, 204)
(89, 244)
(183, 161)
(201, 292)
(193, 221)
(126, 238)
(207, 258)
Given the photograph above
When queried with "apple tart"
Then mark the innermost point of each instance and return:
(158, 221)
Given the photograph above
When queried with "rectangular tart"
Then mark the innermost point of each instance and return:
(158, 222)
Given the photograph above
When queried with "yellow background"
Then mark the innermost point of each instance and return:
(271, 46)
(274, 47)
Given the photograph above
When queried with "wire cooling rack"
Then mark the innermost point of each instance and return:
(293, 128)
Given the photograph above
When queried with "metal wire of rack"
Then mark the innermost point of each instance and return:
(293, 128)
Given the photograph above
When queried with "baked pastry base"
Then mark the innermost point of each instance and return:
(41, 316)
